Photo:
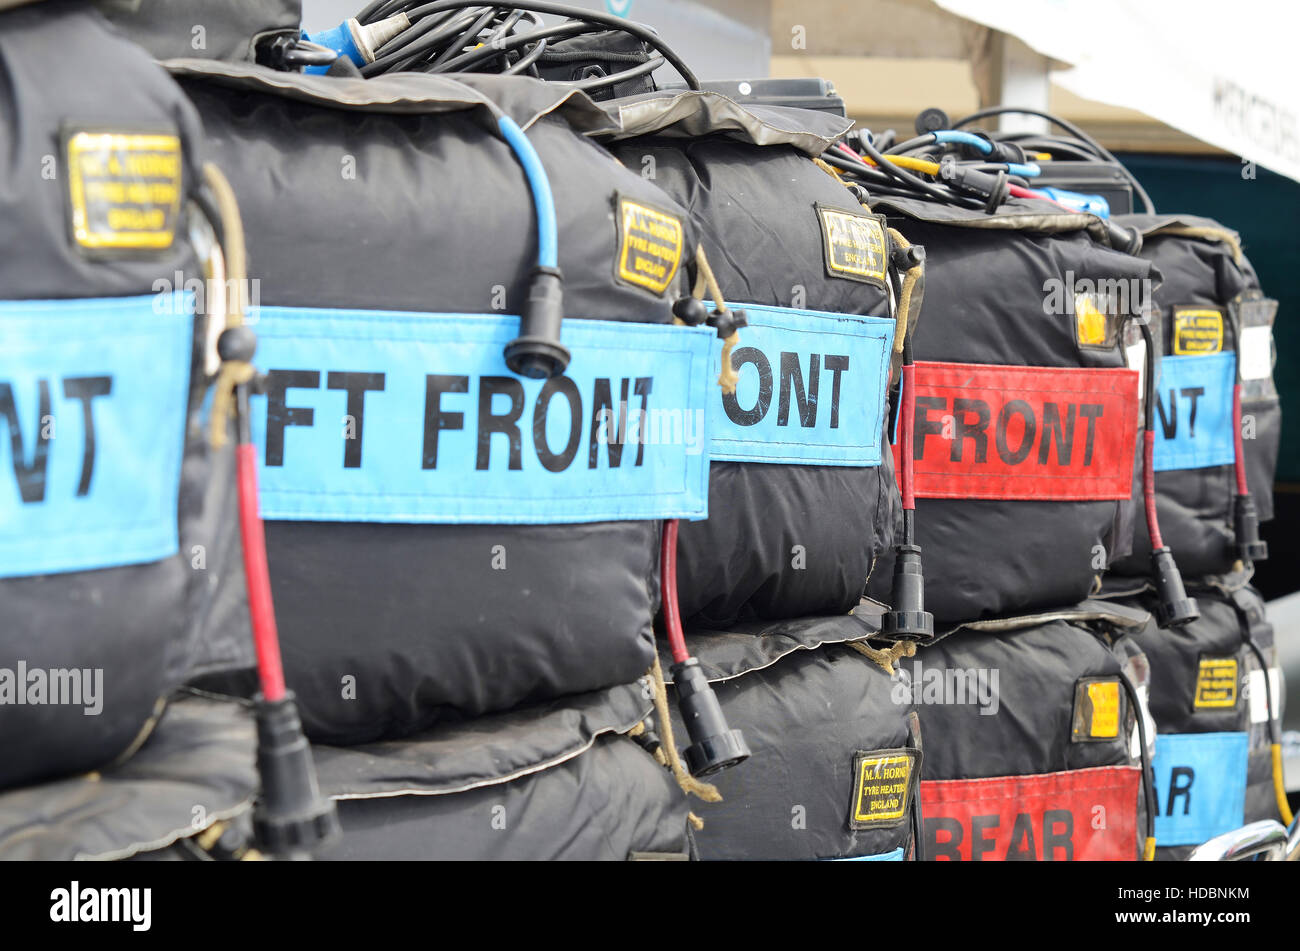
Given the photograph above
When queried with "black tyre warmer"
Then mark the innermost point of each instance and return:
(129, 564)
(555, 781)
(1197, 310)
(835, 751)
(1028, 731)
(781, 540)
(1213, 761)
(1026, 415)
(435, 621)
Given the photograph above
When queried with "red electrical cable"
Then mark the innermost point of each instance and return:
(261, 610)
(668, 592)
(1239, 461)
(1149, 488)
(1019, 191)
(907, 411)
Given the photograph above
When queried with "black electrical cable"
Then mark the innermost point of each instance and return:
(919, 142)
(612, 79)
(591, 22)
(906, 177)
(885, 183)
(540, 39)
(1144, 756)
(1069, 127)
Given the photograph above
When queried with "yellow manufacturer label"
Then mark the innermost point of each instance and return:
(650, 246)
(1216, 684)
(1096, 710)
(125, 189)
(882, 787)
(1092, 327)
(1104, 696)
(854, 244)
(1197, 331)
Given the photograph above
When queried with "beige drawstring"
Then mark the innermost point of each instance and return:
(233, 372)
(707, 283)
(689, 784)
(905, 298)
(885, 659)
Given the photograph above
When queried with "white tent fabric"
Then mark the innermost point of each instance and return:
(1226, 73)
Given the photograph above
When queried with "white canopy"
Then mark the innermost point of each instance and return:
(1226, 73)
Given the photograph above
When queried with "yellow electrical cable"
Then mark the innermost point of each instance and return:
(1279, 785)
(906, 161)
(915, 164)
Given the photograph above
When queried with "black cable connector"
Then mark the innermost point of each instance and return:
(990, 186)
(291, 818)
(714, 746)
(1174, 607)
(690, 311)
(1004, 152)
(1245, 520)
(537, 352)
(908, 619)
(931, 120)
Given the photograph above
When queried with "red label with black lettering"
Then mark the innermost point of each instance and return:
(1077, 815)
(1000, 432)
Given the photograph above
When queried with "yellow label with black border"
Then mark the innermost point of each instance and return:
(1197, 330)
(1097, 709)
(1216, 684)
(650, 245)
(882, 787)
(124, 189)
(854, 245)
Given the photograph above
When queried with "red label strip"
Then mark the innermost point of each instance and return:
(1078, 815)
(1002, 432)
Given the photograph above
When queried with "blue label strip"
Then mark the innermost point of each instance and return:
(1193, 413)
(1200, 785)
(811, 390)
(895, 855)
(398, 417)
(93, 396)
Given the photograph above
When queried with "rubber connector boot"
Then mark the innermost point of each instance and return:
(1175, 608)
(291, 819)
(714, 746)
(537, 352)
(909, 620)
(1245, 521)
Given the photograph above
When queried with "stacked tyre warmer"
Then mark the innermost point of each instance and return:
(119, 566)
(465, 558)
(1209, 694)
(802, 495)
(1025, 440)
(1032, 737)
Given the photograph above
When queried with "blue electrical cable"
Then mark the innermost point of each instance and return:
(957, 137)
(1025, 171)
(543, 201)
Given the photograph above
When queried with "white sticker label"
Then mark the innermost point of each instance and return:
(1256, 353)
(1255, 694)
(1135, 738)
(1136, 355)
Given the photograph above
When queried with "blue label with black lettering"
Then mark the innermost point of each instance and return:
(1193, 412)
(811, 389)
(373, 416)
(1200, 781)
(93, 393)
